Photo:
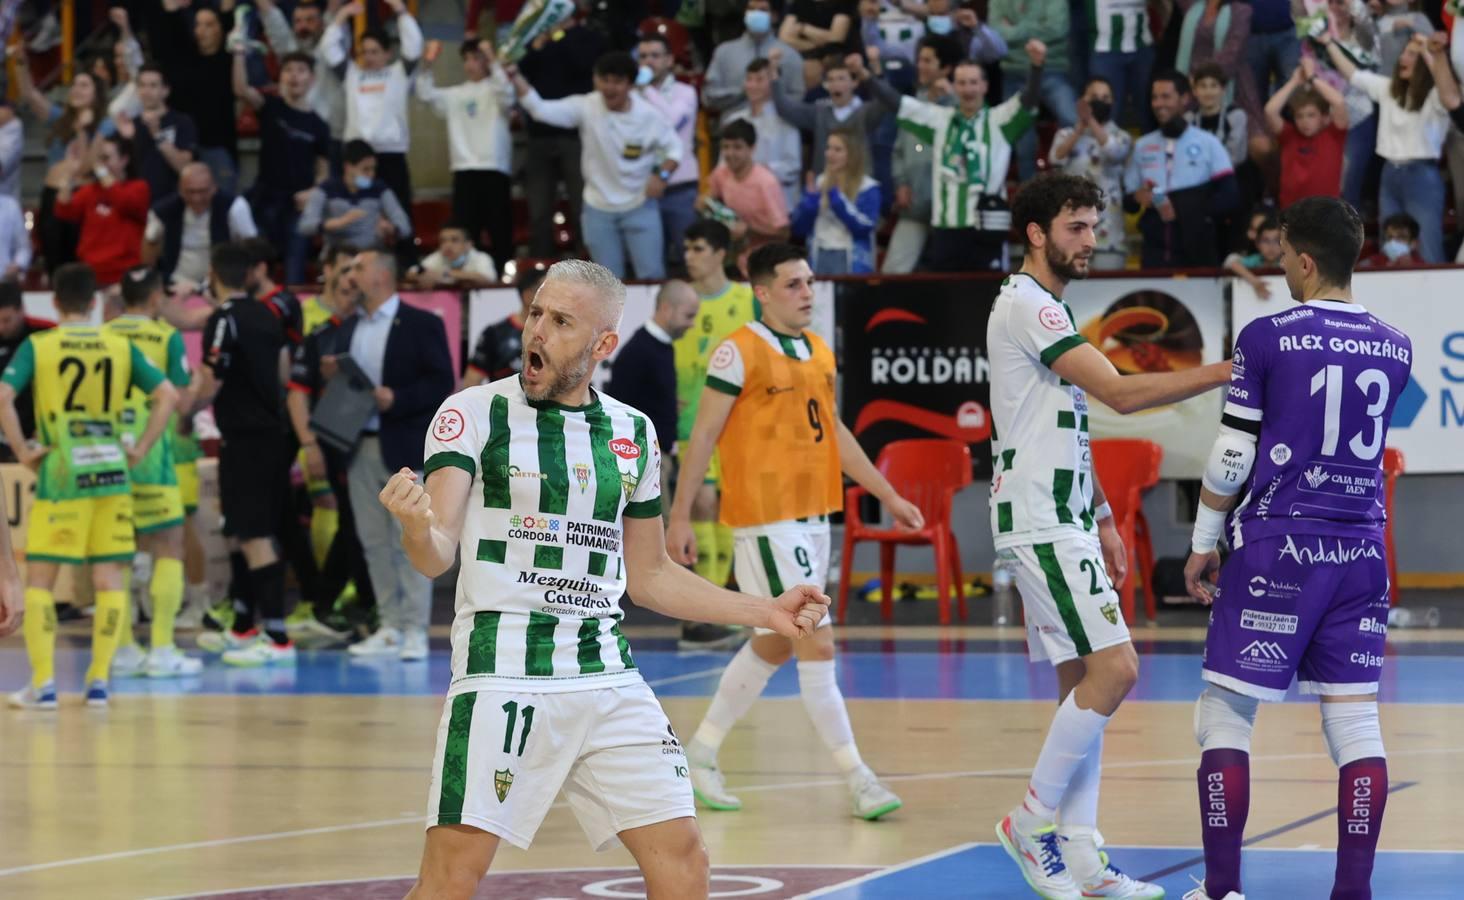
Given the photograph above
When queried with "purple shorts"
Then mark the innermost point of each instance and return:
(1303, 605)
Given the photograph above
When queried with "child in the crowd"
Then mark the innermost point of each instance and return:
(1314, 142)
(1265, 235)
(840, 209)
(749, 191)
(1226, 122)
(1400, 245)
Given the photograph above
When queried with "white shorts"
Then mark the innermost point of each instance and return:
(502, 757)
(1072, 608)
(770, 559)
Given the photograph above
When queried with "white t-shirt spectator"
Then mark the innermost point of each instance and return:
(1404, 134)
(478, 263)
(376, 102)
(477, 120)
(619, 150)
(15, 245)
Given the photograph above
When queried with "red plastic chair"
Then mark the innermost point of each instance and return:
(928, 473)
(1393, 466)
(1126, 469)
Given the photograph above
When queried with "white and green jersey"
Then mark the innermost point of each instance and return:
(543, 569)
(1042, 479)
(972, 155)
(1119, 26)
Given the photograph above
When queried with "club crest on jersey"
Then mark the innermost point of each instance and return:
(582, 475)
(502, 781)
(1110, 612)
(629, 480)
(624, 448)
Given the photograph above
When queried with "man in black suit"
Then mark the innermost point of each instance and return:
(404, 352)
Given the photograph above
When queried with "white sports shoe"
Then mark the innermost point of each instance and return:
(870, 798)
(263, 652)
(31, 698)
(710, 789)
(128, 662)
(414, 645)
(1039, 857)
(210, 641)
(1199, 894)
(1111, 882)
(385, 642)
(169, 662)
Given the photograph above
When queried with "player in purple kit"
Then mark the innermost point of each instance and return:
(1305, 591)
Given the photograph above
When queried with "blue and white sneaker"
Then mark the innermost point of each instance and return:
(1039, 857)
(96, 694)
(29, 697)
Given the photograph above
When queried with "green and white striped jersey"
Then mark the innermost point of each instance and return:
(1042, 479)
(971, 156)
(1119, 26)
(542, 562)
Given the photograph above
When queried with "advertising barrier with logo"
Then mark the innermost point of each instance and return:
(1157, 325)
(914, 363)
(1428, 420)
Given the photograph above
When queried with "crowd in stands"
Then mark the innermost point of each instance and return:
(885, 134)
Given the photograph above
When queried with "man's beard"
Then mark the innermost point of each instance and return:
(565, 379)
(1065, 268)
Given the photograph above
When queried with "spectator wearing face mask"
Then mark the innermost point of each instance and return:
(1180, 181)
(357, 208)
(978, 39)
(101, 192)
(456, 265)
(676, 101)
(1098, 149)
(722, 88)
(1400, 245)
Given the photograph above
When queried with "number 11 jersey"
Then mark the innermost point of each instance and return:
(1317, 386)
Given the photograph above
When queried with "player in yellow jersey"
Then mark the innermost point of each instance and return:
(725, 306)
(768, 406)
(83, 509)
(157, 499)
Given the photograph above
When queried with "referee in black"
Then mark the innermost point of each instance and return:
(244, 355)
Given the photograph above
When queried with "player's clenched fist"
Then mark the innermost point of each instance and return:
(797, 612)
(408, 500)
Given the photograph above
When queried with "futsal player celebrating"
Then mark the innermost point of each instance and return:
(553, 492)
(83, 508)
(768, 409)
(1305, 591)
(157, 501)
(1050, 521)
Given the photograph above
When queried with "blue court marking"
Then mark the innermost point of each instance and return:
(890, 675)
(985, 871)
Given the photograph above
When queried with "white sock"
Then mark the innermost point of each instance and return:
(742, 683)
(1079, 807)
(1072, 733)
(825, 704)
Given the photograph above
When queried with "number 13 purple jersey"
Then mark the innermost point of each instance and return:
(1318, 385)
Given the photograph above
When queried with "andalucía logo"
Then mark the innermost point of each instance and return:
(535, 523)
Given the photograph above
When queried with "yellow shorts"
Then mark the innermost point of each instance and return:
(188, 485)
(156, 506)
(94, 529)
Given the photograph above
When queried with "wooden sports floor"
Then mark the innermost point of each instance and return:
(312, 782)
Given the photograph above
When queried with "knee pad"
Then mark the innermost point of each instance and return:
(1352, 731)
(1224, 719)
